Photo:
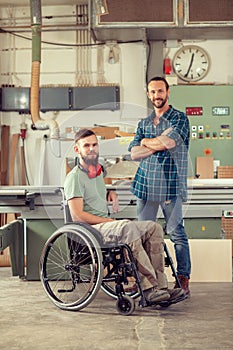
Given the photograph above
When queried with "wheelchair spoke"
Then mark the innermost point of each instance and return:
(71, 268)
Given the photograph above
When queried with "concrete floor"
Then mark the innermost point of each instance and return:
(29, 321)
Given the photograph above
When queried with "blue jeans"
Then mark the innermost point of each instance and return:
(172, 211)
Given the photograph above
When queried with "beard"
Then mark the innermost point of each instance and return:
(160, 103)
(90, 160)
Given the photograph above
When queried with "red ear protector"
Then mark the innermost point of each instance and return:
(94, 171)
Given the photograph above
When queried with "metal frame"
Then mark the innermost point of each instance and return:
(137, 25)
(187, 22)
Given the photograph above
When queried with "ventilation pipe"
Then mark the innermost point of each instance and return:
(38, 123)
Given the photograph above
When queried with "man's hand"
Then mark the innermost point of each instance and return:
(113, 198)
(140, 152)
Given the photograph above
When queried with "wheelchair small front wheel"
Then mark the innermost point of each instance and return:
(125, 305)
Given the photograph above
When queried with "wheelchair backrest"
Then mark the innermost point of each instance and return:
(65, 208)
(68, 219)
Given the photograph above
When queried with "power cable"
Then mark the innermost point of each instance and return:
(69, 45)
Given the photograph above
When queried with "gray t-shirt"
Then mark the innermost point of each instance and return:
(93, 191)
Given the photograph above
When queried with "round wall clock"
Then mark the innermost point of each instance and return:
(191, 63)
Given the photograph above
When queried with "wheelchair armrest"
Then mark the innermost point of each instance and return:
(91, 229)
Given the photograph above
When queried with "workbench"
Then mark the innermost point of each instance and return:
(39, 213)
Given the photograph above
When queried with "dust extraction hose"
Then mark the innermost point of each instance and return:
(38, 123)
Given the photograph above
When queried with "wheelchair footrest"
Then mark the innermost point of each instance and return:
(144, 303)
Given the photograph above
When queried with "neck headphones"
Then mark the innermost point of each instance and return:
(92, 170)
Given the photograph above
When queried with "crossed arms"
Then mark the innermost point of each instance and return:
(150, 146)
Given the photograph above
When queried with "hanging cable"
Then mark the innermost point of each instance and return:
(70, 45)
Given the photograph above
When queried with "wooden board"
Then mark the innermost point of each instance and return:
(106, 132)
(211, 260)
(205, 167)
(14, 146)
(4, 153)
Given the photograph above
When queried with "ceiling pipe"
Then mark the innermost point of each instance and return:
(38, 123)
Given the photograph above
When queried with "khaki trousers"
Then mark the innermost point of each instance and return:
(145, 238)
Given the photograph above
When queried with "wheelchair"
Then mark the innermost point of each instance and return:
(75, 264)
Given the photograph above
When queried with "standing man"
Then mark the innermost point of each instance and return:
(87, 198)
(161, 144)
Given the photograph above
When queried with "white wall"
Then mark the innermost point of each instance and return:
(59, 67)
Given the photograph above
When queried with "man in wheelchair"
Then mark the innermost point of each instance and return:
(88, 200)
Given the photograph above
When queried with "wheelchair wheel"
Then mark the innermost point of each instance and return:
(71, 267)
(125, 305)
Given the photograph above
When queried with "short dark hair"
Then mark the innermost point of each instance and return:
(159, 79)
(82, 133)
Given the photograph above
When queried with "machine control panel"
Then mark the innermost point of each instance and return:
(209, 109)
(220, 110)
(194, 111)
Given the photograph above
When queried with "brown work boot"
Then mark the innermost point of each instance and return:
(184, 281)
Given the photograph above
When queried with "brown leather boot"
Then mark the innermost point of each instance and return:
(184, 281)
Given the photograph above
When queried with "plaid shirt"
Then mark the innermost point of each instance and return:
(163, 175)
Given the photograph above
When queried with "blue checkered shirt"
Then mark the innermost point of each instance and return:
(163, 175)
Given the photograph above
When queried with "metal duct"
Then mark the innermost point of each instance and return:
(38, 123)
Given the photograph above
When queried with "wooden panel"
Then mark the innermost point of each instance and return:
(5, 260)
(205, 167)
(225, 172)
(5, 137)
(211, 260)
(210, 10)
(106, 132)
(138, 11)
(227, 225)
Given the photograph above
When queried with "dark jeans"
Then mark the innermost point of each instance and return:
(172, 211)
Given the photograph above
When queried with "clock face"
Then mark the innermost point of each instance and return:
(191, 63)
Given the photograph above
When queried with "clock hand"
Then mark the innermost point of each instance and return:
(190, 65)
